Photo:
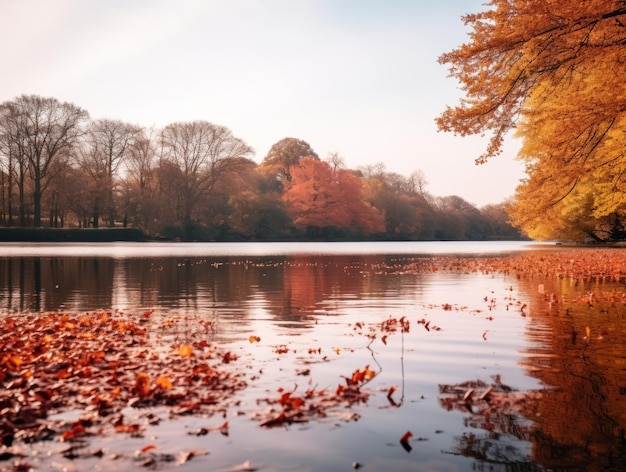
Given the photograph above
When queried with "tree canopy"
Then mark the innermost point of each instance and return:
(554, 71)
(283, 155)
(320, 196)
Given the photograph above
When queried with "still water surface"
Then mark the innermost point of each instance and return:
(559, 395)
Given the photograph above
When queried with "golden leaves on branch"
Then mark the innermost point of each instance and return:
(549, 72)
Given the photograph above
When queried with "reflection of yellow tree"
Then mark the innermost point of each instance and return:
(582, 414)
(577, 336)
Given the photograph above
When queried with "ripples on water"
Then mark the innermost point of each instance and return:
(559, 394)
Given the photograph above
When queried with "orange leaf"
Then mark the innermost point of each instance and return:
(185, 350)
(126, 428)
(254, 339)
(391, 391)
(368, 373)
(148, 448)
(142, 385)
(164, 382)
(16, 361)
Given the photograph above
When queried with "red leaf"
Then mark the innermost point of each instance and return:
(404, 441)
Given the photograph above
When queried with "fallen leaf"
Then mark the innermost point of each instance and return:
(404, 441)
(164, 382)
(185, 350)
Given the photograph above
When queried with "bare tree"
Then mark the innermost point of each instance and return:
(201, 152)
(107, 145)
(335, 161)
(49, 129)
(14, 161)
(140, 197)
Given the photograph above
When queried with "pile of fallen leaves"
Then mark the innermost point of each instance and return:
(607, 264)
(98, 364)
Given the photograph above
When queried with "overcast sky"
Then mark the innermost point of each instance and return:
(356, 77)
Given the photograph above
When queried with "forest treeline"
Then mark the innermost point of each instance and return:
(197, 181)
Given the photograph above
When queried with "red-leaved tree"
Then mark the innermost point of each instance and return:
(319, 197)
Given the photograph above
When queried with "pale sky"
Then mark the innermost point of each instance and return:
(355, 77)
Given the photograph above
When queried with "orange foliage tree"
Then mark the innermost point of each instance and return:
(554, 71)
(321, 197)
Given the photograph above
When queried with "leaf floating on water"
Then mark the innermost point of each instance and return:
(245, 467)
(142, 385)
(185, 350)
(254, 339)
(404, 441)
(486, 393)
(164, 382)
(485, 334)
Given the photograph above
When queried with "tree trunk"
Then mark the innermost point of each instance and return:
(37, 205)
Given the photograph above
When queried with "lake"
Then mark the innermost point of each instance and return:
(457, 370)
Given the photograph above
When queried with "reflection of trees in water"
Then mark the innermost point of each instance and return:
(228, 290)
(577, 350)
(42, 283)
(497, 409)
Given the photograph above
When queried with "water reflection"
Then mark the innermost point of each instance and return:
(556, 370)
(285, 288)
(579, 354)
(577, 334)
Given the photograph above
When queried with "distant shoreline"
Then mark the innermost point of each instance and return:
(106, 235)
(71, 235)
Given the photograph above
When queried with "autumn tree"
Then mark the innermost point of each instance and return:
(199, 153)
(46, 130)
(403, 202)
(284, 155)
(318, 197)
(106, 145)
(554, 71)
(140, 186)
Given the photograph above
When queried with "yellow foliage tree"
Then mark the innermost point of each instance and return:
(555, 71)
